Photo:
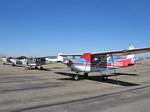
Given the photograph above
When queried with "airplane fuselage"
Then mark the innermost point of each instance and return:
(81, 65)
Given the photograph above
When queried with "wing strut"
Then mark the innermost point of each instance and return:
(114, 69)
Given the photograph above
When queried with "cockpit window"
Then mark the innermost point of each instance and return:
(98, 59)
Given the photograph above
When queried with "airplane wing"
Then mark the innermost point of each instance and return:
(73, 55)
(125, 52)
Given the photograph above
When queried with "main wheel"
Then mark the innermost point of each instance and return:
(29, 68)
(85, 75)
(104, 77)
(41, 68)
(36, 67)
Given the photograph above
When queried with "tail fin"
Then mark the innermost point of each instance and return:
(60, 58)
(4, 59)
(132, 57)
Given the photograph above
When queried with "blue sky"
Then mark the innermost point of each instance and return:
(46, 27)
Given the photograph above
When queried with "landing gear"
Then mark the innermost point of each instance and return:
(76, 77)
(30, 68)
(85, 75)
(36, 67)
(41, 68)
(104, 77)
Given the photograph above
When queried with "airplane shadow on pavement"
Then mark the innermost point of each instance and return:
(128, 74)
(44, 69)
(99, 78)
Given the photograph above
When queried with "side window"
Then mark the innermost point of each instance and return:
(96, 59)
(99, 58)
(103, 58)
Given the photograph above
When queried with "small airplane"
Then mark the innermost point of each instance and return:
(55, 59)
(39, 61)
(18, 62)
(99, 62)
(30, 63)
(7, 60)
(4, 60)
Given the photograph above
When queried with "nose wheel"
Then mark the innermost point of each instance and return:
(85, 75)
(104, 77)
(41, 68)
(76, 77)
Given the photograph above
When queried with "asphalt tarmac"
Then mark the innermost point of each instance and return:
(53, 90)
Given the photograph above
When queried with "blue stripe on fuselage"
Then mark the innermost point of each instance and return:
(81, 60)
(109, 59)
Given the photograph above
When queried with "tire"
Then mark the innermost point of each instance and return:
(76, 77)
(36, 67)
(41, 68)
(104, 77)
(86, 75)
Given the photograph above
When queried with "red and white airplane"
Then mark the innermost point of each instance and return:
(99, 62)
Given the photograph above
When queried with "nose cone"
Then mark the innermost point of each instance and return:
(68, 62)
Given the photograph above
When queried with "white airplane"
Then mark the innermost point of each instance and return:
(33, 62)
(4, 60)
(7, 60)
(38, 62)
(55, 59)
(19, 62)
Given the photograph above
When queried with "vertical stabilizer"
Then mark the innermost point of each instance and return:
(4, 60)
(131, 56)
(60, 58)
